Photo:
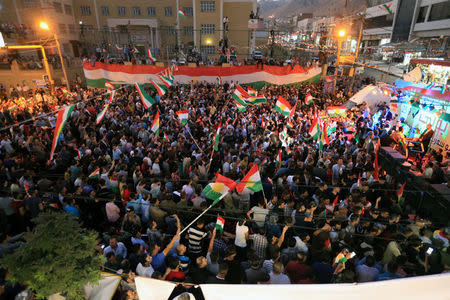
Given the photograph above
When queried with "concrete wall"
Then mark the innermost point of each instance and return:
(16, 75)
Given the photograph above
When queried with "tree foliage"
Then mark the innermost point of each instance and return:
(58, 257)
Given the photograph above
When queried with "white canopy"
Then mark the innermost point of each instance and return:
(371, 94)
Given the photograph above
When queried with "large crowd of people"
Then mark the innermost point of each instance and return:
(322, 217)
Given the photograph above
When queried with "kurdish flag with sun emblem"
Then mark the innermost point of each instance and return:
(217, 190)
(155, 125)
(251, 181)
(158, 88)
(240, 95)
(183, 115)
(282, 106)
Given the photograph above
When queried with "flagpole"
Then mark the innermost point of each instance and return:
(195, 220)
(189, 131)
(210, 161)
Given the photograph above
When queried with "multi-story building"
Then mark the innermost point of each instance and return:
(58, 14)
(157, 25)
(406, 20)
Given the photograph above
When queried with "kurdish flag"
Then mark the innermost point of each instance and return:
(105, 109)
(400, 191)
(314, 131)
(220, 223)
(62, 117)
(158, 88)
(323, 136)
(293, 111)
(181, 13)
(336, 111)
(278, 161)
(150, 56)
(95, 174)
(252, 92)
(217, 139)
(165, 80)
(217, 190)
(109, 85)
(251, 181)
(240, 95)
(282, 106)
(183, 115)
(166, 138)
(289, 124)
(309, 99)
(146, 99)
(219, 80)
(155, 125)
(254, 100)
(240, 107)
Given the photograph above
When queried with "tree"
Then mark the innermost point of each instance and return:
(58, 257)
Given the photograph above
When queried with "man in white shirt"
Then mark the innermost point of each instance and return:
(259, 214)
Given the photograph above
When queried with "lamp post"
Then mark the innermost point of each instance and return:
(341, 35)
(45, 26)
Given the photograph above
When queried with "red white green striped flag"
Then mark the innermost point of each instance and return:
(240, 95)
(155, 125)
(251, 181)
(314, 131)
(109, 85)
(105, 109)
(95, 174)
(217, 190)
(252, 92)
(282, 106)
(165, 80)
(309, 99)
(289, 124)
(166, 139)
(400, 191)
(181, 13)
(217, 139)
(293, 110)
(61, 119)
(158, 88)
(146, 99)
(220, 223)
(336, 111)
(183, 115)
(278, 161)
(219, 80)
(239, 106)
(150, 56)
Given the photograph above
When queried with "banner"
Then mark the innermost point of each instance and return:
(129, 74)
(105, 288)
(414, 288)
(441, 139)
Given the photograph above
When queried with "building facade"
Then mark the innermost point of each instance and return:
(157, 24)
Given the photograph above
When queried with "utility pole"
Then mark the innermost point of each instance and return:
(178, 26)
(358, 43)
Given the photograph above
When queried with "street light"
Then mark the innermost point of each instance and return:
(45, 26)
(341, 35)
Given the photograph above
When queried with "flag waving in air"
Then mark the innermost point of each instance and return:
(309, 99)
(158, 88)
(105, 109)
(217, 190)
(95, 174)
(183, 115)
(166, 80)
(61, 119)
(251, 181)
(240, 95)
(155, 125)
(150, 56)
(282, 106)
(146, 99)
(109, 85)
(220, 223)
(217, 139)
(181, 13)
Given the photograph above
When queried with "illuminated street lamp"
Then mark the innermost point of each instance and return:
(341, 35)
(45, 26)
